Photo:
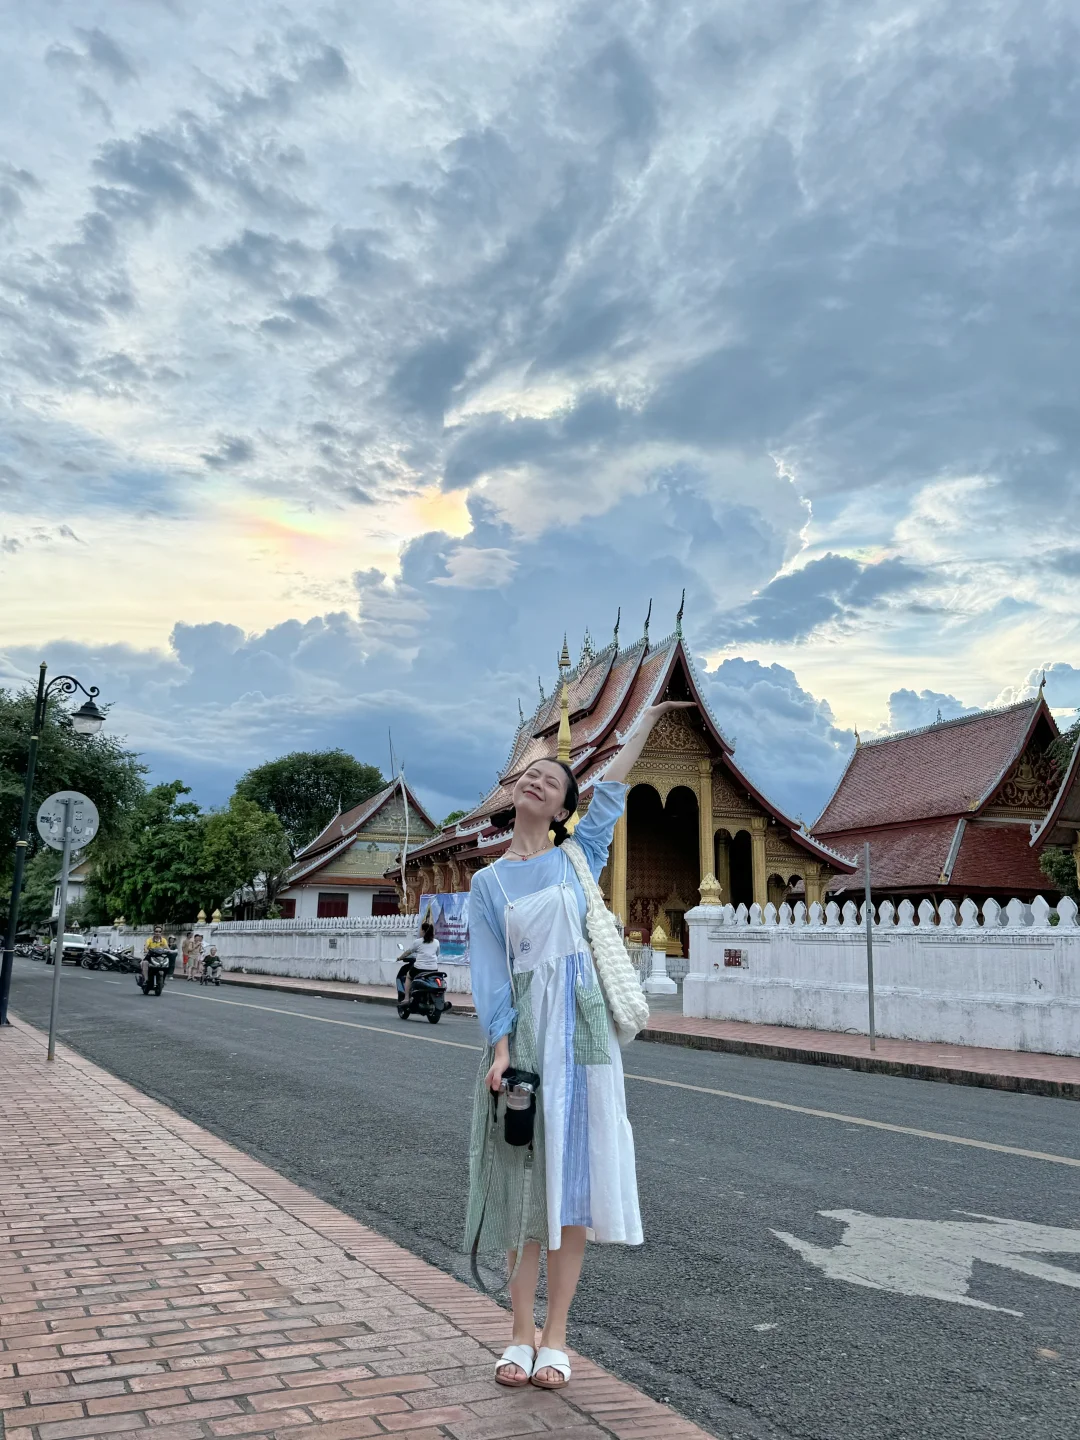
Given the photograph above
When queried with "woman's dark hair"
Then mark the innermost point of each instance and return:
(503, 819)
(427, 932)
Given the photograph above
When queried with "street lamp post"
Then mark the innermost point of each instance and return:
(87, 720)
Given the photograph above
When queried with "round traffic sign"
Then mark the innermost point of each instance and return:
(84, 819)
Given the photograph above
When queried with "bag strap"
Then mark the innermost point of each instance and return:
(526, 1201)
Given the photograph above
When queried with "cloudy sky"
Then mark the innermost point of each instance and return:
(349, 354)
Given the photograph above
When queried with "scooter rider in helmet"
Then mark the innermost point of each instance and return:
(156, 941)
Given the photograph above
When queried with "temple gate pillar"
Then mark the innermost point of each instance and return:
(814, 884)
(618, 869)
(723, 858)
(758, 825)
(706, 859)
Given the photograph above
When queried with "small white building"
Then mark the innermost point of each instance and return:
(78, 879)
(341, 873)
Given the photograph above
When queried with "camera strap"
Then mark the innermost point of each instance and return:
(526, 1199)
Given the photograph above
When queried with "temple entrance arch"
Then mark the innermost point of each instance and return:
(663, 865)
(735, 867)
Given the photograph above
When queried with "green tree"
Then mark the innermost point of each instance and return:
(39, 884)
(99, 765)
(306, 788)
(156, 871)
(246, 848)
(453, 816)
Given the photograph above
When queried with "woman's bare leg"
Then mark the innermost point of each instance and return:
(563, 1273)
(523, 1298)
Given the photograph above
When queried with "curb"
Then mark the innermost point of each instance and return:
(868, 1064)
(260, 982)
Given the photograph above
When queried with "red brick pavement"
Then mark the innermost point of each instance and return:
(158, 1284)
(1018, 1070)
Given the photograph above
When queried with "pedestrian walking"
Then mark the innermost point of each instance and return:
(197, 960)
(556, 994)
(185, 955)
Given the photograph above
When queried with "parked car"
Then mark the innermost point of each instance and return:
(75, 947)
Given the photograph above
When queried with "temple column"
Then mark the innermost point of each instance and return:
(758, 824)
(455, 876)
(723, 859)
(618, 869)
(705, 819)
(814, 881)
(1076, 856)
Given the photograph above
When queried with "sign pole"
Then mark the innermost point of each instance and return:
(61, 921)
(868, 914)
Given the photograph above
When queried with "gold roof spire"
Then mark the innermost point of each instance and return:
(564, 704)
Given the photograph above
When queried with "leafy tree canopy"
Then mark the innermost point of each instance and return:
(306, 788)
(454, 815)
(175, 859)
(98, 765)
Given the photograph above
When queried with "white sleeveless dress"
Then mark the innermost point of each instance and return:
(585, 1171)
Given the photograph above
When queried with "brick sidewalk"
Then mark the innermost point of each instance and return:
(1018, 1070)
(155, 1282)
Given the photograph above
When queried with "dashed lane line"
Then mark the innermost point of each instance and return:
(682, 1085)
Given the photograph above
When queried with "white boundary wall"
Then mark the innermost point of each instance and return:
(362, 950)
(1007, 979)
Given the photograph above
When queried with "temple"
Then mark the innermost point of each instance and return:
(694, 823)
(952, 810)
(340, 874)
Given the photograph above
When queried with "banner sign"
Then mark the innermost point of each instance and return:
(450, 916)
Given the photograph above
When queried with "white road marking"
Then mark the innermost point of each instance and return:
(860, 1120)
(935, 1259)
(677, 1085)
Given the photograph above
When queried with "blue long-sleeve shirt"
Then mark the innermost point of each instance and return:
(487, 904)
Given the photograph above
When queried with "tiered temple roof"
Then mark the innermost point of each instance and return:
(948, 808)
(600, 699)
(361, 820)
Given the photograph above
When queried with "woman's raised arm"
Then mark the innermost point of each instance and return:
(623, 763)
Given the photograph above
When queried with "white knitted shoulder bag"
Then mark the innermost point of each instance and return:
(618, 978)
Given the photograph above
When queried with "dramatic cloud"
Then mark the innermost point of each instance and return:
(523, 312)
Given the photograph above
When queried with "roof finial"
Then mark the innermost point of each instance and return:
(648, 617)
(858, 738)
(615, 637)
(678, 617)
(540, 684)
(521, 714)
(1042, 681)
(588, 650)
(938, 720)
(564, 657)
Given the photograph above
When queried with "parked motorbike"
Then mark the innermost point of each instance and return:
(157, 967)
(93, 959)
(211, 973)
(33, 951)
(427, 995)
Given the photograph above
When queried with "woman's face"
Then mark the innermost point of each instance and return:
(541, 791)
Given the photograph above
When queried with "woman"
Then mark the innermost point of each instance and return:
(540, 1003)
(424, 956)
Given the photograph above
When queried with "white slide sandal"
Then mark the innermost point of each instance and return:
(519, 1355)
(551, 1360)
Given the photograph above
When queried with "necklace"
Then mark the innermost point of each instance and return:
(527, 854)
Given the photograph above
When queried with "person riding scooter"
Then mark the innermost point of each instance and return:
(423, 955)
(156, 941)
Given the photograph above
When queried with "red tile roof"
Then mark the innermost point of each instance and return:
(999, 857)
(950, 768)
(908, 857)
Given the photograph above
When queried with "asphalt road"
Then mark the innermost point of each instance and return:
(736, 1326)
